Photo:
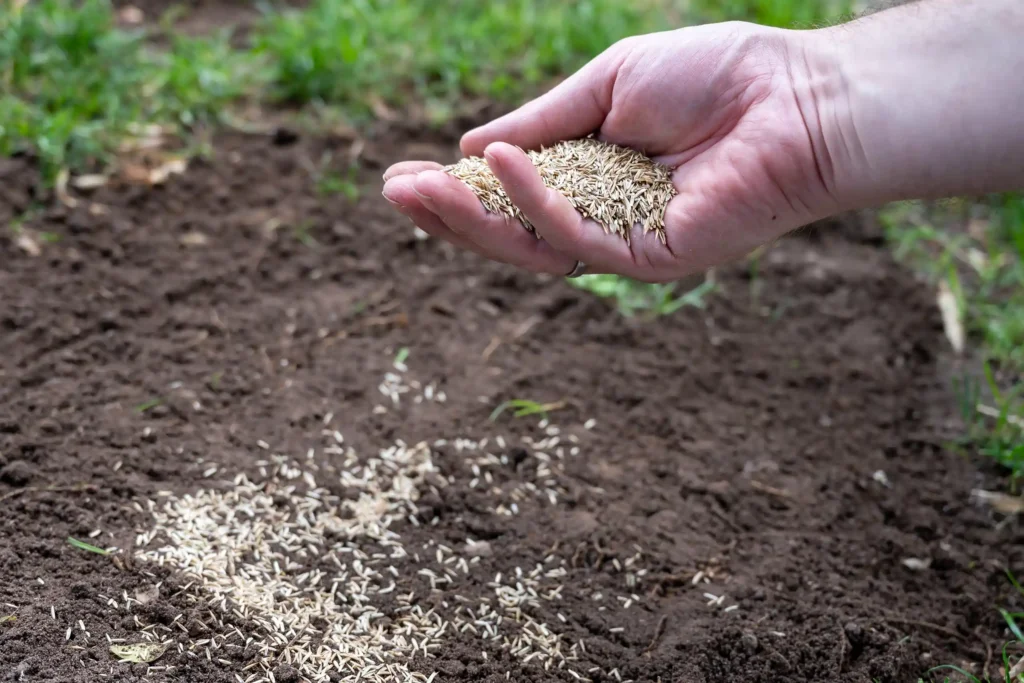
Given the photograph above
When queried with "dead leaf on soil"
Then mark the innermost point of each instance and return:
(917, 564)
(952, 321)
(61, 188)
(195, 239)
(148, 136)
(89, 181)
(131, 15)
(28, 245)
(990, 411)
(1001, 502)
(139, 653)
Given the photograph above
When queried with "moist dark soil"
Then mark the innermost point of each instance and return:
(785, 445)
(162, 330)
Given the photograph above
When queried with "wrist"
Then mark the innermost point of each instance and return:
(916, 102)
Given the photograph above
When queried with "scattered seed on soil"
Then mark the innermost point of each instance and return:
(617, 187)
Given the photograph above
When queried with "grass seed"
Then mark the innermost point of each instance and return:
(615, 186)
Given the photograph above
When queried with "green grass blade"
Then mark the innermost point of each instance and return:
(82, 545)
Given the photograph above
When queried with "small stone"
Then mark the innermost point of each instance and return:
(749, 642)
(479, 549)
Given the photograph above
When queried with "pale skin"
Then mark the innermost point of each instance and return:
(766, 129)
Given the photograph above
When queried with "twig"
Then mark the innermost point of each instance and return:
(658, 631)
(77, 488)
(770, 490)
(924, 624)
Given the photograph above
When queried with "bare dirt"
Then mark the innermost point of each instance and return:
(755, 479)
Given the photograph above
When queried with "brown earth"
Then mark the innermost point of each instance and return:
(164, 331)
(742, 440)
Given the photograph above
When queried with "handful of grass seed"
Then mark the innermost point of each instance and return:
(615, 186)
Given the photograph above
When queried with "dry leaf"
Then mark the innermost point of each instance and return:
(951, 318)
(28, 245)
(194, 239)
(139, 653)
(917, 564)
(89, 181)
(989, 411)
(166, 170)
(61, 188)
(131, 15)
(1001, 502)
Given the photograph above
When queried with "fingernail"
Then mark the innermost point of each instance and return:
(492, 160)
(390, 200)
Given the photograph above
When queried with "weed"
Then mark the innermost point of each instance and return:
(334, 182)
(82, 545)
(303, 234)
(631, 296)
(401, 357)
(525, 408)
(148, 405)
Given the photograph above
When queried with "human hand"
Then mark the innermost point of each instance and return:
(718, 103)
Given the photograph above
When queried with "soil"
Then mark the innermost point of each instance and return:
(782, 449)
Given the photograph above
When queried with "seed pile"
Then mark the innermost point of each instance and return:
(309, 571)
(615, 186)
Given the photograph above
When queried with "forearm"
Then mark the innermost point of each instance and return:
(924, 100)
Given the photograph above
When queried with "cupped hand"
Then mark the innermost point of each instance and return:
(721, 104)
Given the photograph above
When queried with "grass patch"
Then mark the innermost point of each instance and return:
(1008, 664)
(780, 13)
(367, 53)
(88, 547)
(976, 252)
(995, 426)
(632, 297)
(73, 86)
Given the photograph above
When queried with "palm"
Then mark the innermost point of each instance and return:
(712, 102)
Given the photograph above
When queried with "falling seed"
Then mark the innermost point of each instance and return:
(615, 186)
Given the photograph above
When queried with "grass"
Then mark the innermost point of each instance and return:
(372, 54)
(524, 408)
(1015, 629)
(88, 547)
(632, 297)
(73, 87)
(781, 13)
(976, 251)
